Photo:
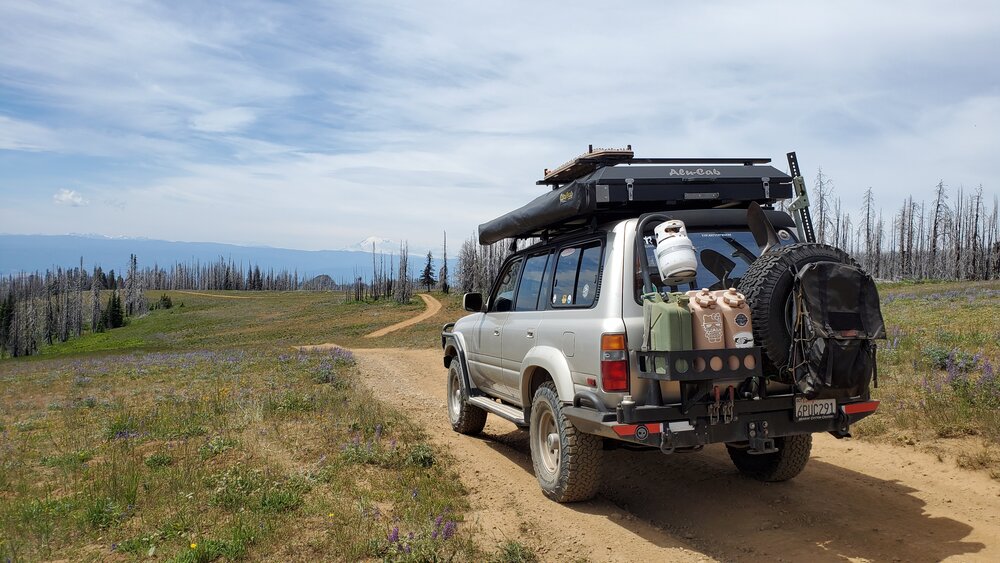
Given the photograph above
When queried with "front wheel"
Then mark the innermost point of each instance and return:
(782, 465)
(465, 418)
(567, 462)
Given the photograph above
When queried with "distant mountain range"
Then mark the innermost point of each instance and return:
(29, 253)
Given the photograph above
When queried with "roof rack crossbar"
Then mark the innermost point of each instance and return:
(743, 161)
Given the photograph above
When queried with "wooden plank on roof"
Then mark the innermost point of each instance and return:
(586, 163)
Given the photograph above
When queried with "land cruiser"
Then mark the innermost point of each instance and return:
(586, 341)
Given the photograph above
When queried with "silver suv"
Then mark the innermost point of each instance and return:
(557, 347)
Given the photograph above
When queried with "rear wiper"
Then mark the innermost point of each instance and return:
(741, 251)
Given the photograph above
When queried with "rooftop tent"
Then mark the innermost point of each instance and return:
(630, 187)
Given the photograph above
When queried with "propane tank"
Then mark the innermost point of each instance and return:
(738, 326)
(675, 257)
(707, 327)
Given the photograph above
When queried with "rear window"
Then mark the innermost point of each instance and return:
(577, 275)
(729, 253)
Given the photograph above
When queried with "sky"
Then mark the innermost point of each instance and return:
(317, 125)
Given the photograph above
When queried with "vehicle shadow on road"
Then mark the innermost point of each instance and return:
(827, 513)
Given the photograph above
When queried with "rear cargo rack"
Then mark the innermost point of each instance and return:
(681, 365)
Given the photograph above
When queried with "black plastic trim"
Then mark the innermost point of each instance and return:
(592, 401)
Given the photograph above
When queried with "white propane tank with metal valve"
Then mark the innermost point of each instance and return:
(675, 255)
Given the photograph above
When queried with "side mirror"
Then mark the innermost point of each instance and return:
(473, 302)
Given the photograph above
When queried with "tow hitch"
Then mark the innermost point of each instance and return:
(759, 443)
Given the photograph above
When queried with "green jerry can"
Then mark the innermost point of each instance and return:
(667, 326)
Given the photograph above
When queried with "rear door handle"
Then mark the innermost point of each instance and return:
(531, 334)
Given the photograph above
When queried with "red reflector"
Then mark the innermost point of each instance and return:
(630, 429)
(614, 375)
(592, 382)
(625, 429)
(855, 408)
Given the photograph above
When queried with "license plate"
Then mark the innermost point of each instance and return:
(816, 409)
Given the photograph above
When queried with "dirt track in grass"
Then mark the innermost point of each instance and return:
(855, 501)
(433, 306)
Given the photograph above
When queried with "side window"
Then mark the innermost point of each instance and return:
(586, 279)
(503, 297)
(531, 283)
(577, 273)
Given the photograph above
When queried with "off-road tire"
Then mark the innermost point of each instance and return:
(787, 462)
(572, 473)
(767, 285)
(465, 418)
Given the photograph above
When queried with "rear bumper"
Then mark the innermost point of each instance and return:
(751, 421)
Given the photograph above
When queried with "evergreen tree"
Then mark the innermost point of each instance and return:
(427, 278)
(114, 315)
(6, 321)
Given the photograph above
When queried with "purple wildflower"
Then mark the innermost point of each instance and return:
(987, 380)
(394, 534)
(449, 529)
(414, 493)
(378, 432)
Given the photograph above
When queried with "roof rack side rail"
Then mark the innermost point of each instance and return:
(743, 161)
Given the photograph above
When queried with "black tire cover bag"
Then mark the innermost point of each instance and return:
(837, 320)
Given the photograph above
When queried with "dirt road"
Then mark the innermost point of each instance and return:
(433, 306)
(855, 501)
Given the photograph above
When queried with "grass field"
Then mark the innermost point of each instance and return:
(197, 433)
(272, 320)
(937, 371)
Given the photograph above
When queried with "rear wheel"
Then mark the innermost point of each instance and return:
(782, 465)
(567, 462)
(465, 418)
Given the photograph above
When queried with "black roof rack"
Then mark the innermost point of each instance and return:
(594, 159)
(601, 185)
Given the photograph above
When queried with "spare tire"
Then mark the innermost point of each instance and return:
(767, 285)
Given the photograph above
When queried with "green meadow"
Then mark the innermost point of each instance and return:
(198, 433)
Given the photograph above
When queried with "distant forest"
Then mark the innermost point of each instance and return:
(953, 236)
(46, 307)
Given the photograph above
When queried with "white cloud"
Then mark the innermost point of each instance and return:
(223, 120)
(322, 124)
(71, 198)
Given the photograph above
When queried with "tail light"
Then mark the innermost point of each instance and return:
(614, 363)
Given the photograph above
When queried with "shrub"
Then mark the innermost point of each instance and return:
(513, 552)
(101, 513)
(158, 460)
(71, 460)
(421, 455)
(216, 446)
